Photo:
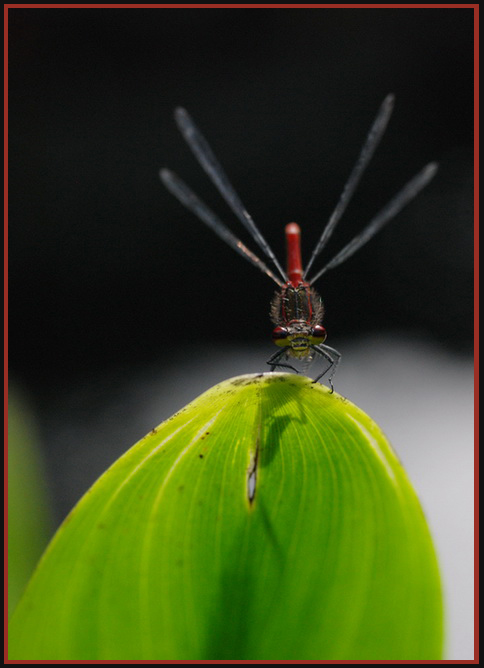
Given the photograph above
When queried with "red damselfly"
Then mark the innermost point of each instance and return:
(296, 309)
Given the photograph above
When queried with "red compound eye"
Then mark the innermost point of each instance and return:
(279, 336)
(319, 333)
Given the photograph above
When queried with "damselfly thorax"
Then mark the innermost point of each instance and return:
(296, 309)
(295, 331)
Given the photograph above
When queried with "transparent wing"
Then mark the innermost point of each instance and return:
(188, 198)
(212, 167)
(401, 199)
(372, 140)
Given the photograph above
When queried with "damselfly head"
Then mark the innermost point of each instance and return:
(298, 336)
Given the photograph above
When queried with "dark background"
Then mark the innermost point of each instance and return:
(107, 268)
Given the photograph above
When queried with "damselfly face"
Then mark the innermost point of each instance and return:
(298, 337)
(296, 309)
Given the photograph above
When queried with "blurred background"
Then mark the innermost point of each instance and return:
(123, 307)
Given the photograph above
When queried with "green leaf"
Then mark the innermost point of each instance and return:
(29, 516)
(167, 557)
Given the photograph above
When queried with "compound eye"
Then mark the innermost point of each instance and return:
(279, 336)
(318, 334)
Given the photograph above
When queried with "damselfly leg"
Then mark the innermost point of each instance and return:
(333, 357)
(273, 363)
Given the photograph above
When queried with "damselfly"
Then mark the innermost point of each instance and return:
(296, 309)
